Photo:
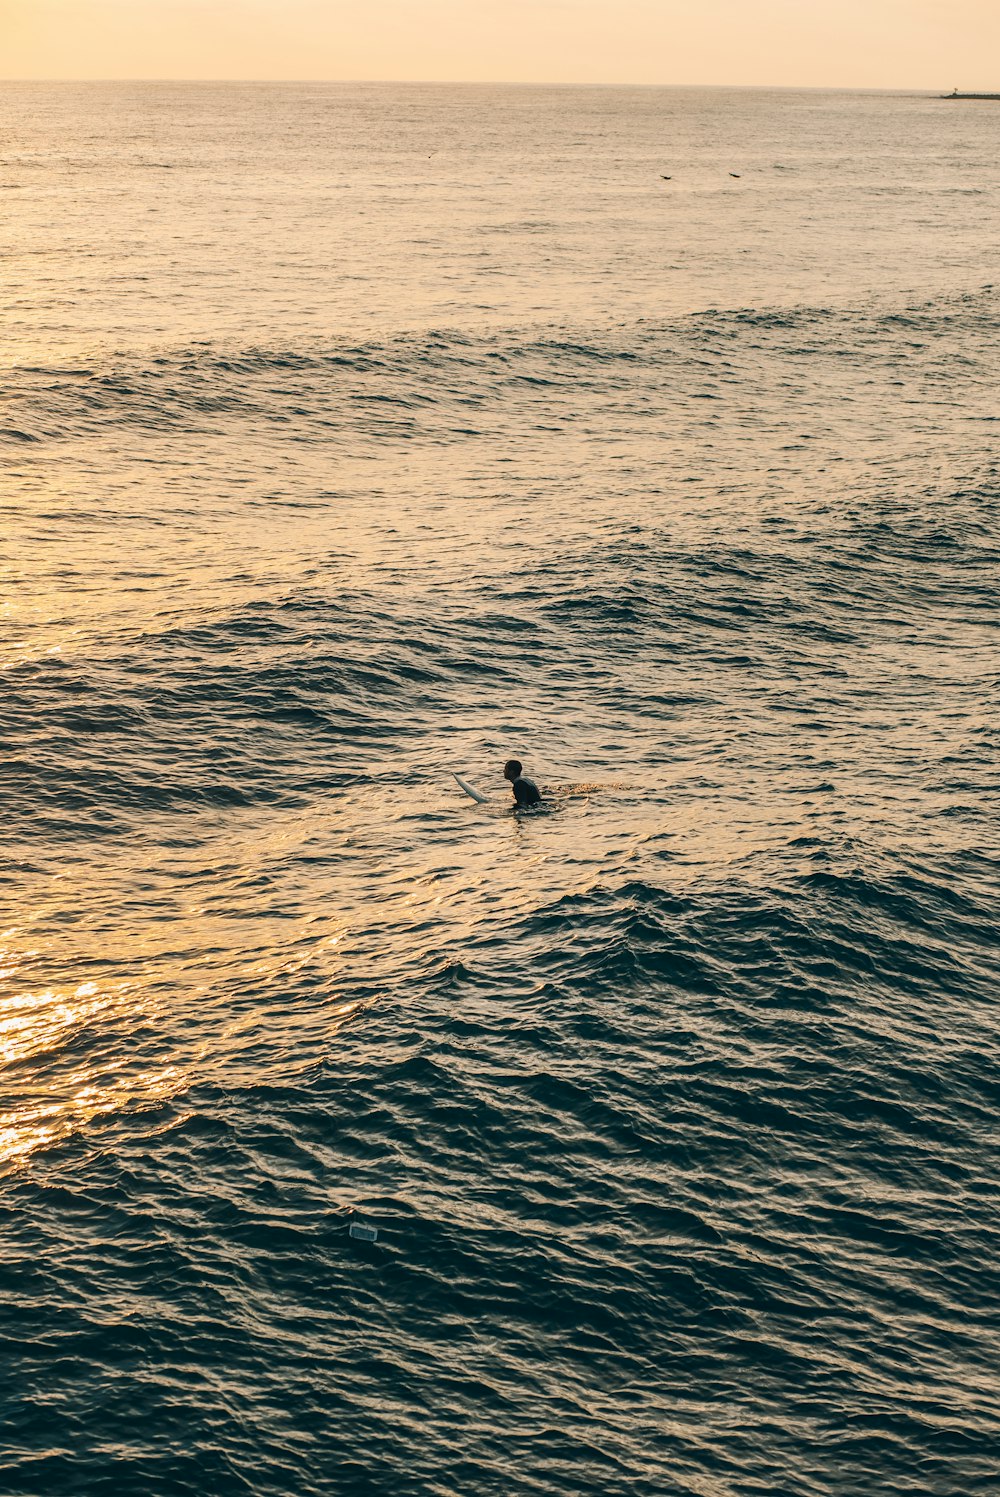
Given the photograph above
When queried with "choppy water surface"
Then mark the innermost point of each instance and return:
(355, 436)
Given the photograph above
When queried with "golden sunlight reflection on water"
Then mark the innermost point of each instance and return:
(218, 957)
(73, 1052)
(38, 1025)
(223, 955)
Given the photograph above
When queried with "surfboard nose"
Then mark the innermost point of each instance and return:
(476, 795)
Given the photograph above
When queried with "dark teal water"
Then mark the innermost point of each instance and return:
(353, 437)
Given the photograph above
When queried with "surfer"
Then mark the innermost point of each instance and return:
(525, 790)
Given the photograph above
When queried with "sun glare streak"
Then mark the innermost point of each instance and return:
(51, 1092)
(69, 1053)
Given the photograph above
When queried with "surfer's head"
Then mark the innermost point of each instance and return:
(512, 769)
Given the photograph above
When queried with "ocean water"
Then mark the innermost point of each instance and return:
(353, 436)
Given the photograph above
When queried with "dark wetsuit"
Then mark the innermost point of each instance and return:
(525, 791)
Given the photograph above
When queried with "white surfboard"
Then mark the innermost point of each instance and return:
(477, 795)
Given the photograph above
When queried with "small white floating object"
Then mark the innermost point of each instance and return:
(362, 1233)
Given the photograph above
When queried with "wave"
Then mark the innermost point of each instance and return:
(445, 385)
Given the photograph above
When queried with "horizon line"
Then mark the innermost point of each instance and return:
(502, 83)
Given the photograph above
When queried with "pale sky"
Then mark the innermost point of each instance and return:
(924, 44)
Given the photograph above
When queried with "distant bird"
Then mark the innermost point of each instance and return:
(736, 174)
(665, 179)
